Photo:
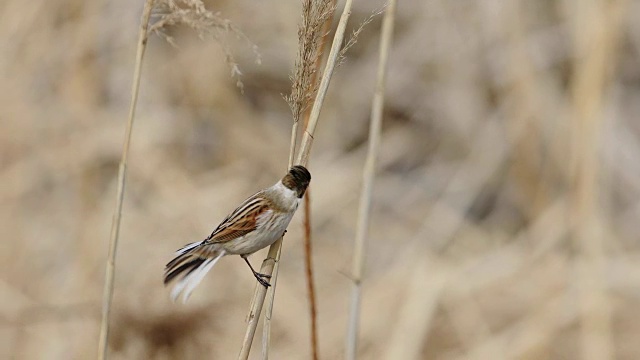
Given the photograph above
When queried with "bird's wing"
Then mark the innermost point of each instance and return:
(241, 221)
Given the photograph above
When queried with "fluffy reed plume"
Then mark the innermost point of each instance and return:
(353, 39)
(206, 23)
(310, 33)
(315, 14)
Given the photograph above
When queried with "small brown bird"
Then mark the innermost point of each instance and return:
(257, 223)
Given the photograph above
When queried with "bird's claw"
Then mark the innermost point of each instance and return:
(262, 281)
(266, 276)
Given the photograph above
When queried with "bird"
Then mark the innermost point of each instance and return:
(257, 223)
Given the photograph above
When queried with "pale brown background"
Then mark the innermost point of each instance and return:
(470, 253)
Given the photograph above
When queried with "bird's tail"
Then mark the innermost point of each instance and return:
(189, 267)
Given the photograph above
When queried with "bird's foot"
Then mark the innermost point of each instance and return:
(265, 276)
(261, 279)
(259, 276)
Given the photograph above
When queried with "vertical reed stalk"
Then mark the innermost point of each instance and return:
(309, 274)
(597, 33)
(364, 209)
(122, 172)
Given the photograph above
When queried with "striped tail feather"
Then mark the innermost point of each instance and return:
(189, 267)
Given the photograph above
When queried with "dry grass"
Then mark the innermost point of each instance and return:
(471, 254)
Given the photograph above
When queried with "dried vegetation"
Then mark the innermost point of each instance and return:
(505, 211)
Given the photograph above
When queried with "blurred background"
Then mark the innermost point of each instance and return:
(505, 211)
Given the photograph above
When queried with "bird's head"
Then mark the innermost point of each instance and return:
(297, 179)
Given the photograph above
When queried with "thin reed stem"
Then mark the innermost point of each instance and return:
(303, 157)
(266, 329)
(364, 209)
(268, 313)
(309, 274)
(597, 35)
(258, 299)
(122, 172)
(292, 147)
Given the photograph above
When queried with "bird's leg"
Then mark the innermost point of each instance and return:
(259, 276)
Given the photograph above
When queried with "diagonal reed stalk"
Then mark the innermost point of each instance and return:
(303, 157)
(122, 172)
(364, 209)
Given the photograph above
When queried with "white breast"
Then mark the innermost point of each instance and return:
(287, 197)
